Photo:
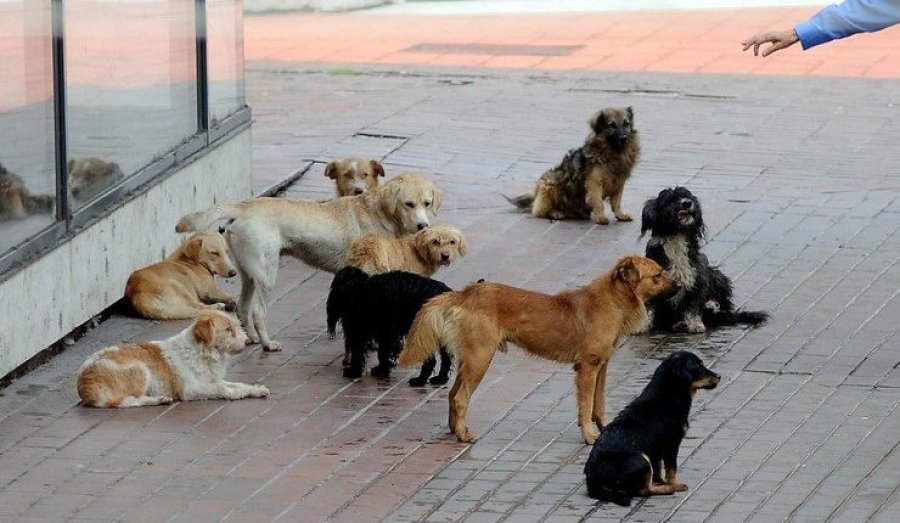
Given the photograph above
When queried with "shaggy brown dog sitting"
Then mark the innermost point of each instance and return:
(589, 174)
(581, 326)
(183, 285)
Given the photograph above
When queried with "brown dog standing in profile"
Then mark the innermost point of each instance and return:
(183, 285)
(580, 326)
(589, 174)
(354, 176)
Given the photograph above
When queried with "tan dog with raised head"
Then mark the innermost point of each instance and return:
(580, 326)
(354, 176)
(421, 253)
(183, 285)
(188, 366)
(319, 233)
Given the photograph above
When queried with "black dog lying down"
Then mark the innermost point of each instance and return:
(381, 308)
(628, 458)
(703, 300)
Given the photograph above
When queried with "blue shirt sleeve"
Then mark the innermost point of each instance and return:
(848, 18)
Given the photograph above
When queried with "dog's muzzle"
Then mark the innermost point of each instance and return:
(712, 380)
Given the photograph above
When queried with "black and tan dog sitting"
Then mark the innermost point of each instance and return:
(589, 174)
(675, 222)
(629, 457)
(381, 309)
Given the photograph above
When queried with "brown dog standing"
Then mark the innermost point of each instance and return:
(183, 285)
(589, 174)
(581, 326)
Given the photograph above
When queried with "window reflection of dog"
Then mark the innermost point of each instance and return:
(91, 176)
(16, 201)
(704, 298)
(628, 458)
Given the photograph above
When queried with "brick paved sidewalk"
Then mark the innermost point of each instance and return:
(800, 182)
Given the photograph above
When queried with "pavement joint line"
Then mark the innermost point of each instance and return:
(887, 498)
(841, 462)
(362, 449)
(799, 463)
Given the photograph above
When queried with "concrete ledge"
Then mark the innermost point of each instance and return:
(266, 6)
(69, 285)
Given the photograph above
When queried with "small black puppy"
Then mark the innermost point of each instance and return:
(381, 309)
(628, 458)
(703, 297)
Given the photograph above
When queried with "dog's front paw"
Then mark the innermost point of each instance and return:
(679, 487)
(590, 435)
(439, 380)
(352, 372)
(466, 437)
(381, 371)
(166, 400)
(417, 382)
(600, 218)
(259, 391)
(272, 346)
(624, 217)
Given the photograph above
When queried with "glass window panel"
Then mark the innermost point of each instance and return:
(225, 52)
(131, 88)
(27, 158)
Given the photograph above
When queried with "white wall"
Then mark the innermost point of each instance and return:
(69, 285)
(262, 6)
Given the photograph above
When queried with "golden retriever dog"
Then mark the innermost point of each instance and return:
(188, 366)
(89, 177)
(589, 174)
(421, 253)
(183, 285)
(318, 233)
(16, 201)
(354, 176)
(581, 326)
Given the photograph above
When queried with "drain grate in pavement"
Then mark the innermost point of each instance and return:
(494, 49)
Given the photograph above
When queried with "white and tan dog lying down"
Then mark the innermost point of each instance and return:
(421, 253)
(183, 285)
(354, 176)
(318, 233)
(188, 366)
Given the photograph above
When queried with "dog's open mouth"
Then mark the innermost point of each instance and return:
(682, 214)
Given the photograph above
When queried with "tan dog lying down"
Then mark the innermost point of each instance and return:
(421, 253)
(581, 326)
(354, 176)
(183, 285)
(319, 233)
(188, 366)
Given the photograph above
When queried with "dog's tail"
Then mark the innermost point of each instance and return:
(344, 287)
(523, 201)
(429, 329)
(738, 317)
(198, 221)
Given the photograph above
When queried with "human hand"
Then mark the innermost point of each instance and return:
(778, 39)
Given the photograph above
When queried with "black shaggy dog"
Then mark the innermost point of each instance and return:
(628, 458)
(381, 309)
(703, 299)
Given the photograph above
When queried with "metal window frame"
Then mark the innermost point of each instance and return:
(69, 224)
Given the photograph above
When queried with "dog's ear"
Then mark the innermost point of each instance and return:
(331, 170)
(377, 167)
(437, 197)
(597, 121)
(630, 112)
(463, 245)
(626, 272)
(192, 248)
(205, 331)
(389, 194)
(648, 216)
(421, 240)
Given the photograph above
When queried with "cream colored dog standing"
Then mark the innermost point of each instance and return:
(183, 285)
(319, 233)
(421, 253)
(188, 366)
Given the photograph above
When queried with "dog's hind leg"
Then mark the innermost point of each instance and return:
(245, 307)
(446, 366)
(472, 367)
(424, 374)
(144, 401)
(388, 346)
(259, 320)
